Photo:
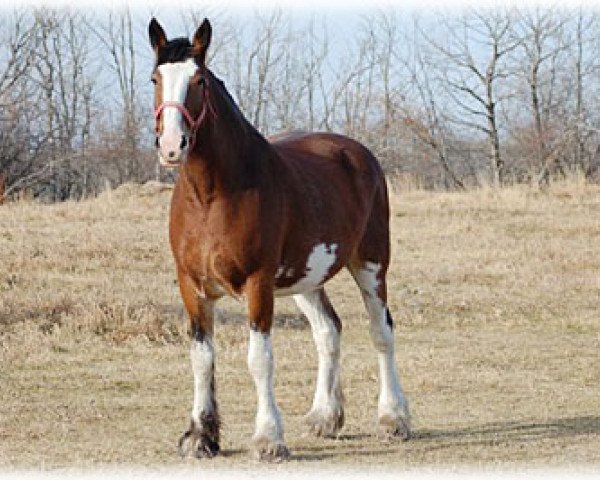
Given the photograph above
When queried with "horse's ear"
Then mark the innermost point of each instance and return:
(201, 41)
(157, 35)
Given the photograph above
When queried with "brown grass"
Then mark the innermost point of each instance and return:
(496, 300)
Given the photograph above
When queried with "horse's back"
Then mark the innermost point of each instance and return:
(334, 163)
(299, 146)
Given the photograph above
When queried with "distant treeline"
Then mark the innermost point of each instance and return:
(492, 96)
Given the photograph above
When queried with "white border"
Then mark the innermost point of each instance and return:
(291, 471)
(346, 6)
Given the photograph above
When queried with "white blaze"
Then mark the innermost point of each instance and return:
(175, 82)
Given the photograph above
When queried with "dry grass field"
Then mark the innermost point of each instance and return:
(496, 297)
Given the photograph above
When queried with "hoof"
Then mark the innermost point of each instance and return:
(197, 444)
(392, 427)
(324, 425)
(267, 451)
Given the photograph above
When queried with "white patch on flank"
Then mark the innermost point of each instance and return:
(392, 401)
(318, 264)
(175, 82)
(260, 364)
(202, 356)
(327, 399)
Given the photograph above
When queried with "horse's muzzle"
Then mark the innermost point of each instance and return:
(172, 150)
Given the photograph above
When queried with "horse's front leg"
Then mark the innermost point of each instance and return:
(268, 434)
(202, 437)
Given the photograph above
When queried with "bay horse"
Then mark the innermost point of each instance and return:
(255, 219)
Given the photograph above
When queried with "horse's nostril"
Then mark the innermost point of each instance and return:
(171, 154)
(156, 144)
(183, 142)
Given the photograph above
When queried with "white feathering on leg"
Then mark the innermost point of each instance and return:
(260, 364)
(326, 414)
(202, 357)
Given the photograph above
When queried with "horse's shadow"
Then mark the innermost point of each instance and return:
(488, 434)
(516, 431)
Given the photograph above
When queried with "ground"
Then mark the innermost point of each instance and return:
(495, 295)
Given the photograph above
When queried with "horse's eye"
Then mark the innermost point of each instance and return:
(201, 81)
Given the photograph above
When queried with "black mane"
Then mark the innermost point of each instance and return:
(176, 50)
(228, 98)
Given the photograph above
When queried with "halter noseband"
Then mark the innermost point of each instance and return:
(193, 125)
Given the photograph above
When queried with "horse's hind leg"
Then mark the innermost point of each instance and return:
(326, 416)
(393, 413)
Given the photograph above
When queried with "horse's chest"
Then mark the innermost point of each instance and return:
(214, 264)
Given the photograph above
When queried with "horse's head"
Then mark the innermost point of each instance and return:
(181, 98)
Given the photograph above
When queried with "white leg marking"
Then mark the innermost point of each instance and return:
(260, 364)
(202, 356)
(392, 402)
(319, 262)
(327, 403)
(391, 396)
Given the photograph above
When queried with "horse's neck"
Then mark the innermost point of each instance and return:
(227, 158)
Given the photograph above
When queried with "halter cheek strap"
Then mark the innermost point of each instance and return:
(193, 125)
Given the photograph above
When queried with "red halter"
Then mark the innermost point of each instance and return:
(193, 125)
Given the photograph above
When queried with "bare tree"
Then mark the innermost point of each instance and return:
(587, 65)
(254, 57)
(267, 55)
(293, 90)
(286, 87)
(16, 42)
(116, 33)
(387, 38)
(471, 83)
(61, 55)
(318, 49)
(422, 115)
(541, 32)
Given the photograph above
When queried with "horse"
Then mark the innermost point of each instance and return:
(254, 219)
